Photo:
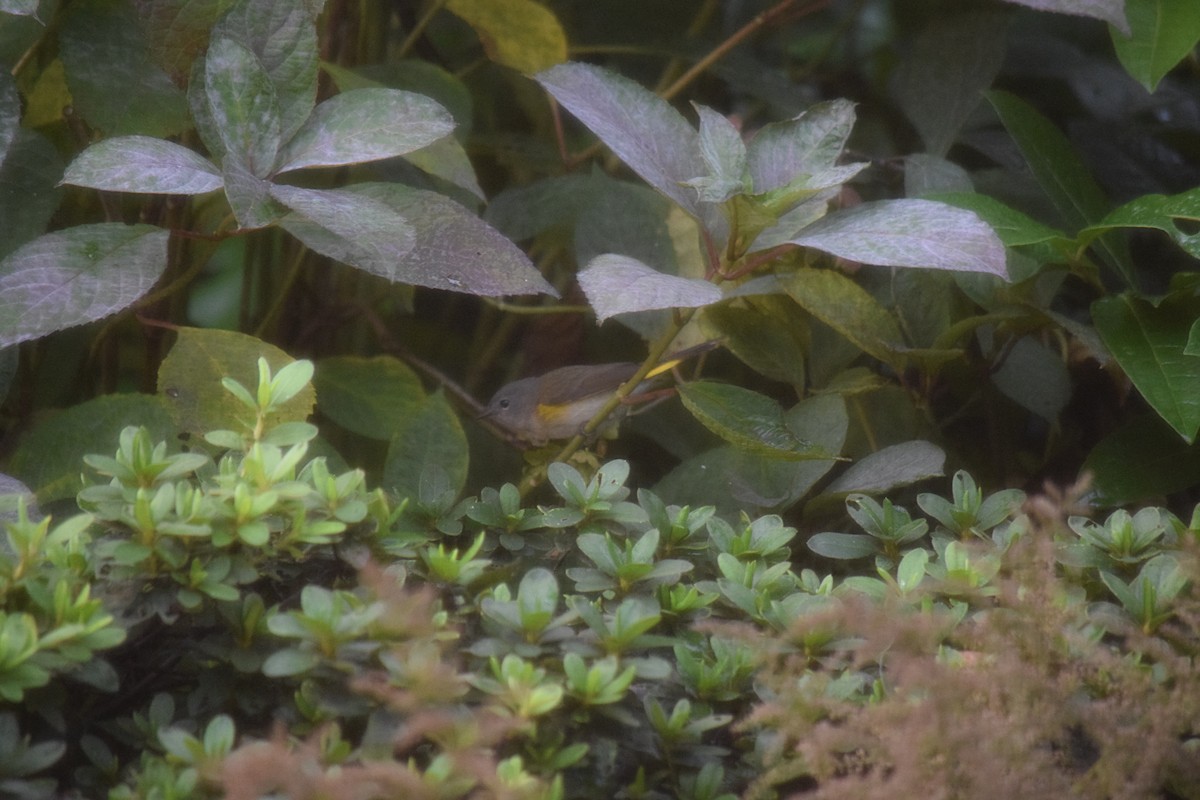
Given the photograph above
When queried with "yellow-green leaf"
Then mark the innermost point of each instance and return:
(520, 34)
(849, 309)
(748, 420)
(190, 379)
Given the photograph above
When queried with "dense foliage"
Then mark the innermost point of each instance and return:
(259, 260)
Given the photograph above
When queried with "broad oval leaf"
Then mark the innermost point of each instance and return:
(616, 284)
(114, 84)
(748, 420)
(375, 237)
(373, 397)
(249, 196)
(1143, 459)
(283, 36)
(909, 233)
(645, 131)
(143, 164)
(432, 437)
(1013, 227)
(521, 34)
(242, 103)
(453, 248)
(29, 191)
(366, 125)
(842, 304)
(890, 468)
(49, 455)
(843, 546)
(189, 379)
(78, 275)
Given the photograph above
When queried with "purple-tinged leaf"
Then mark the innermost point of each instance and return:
(641, 128)
(1111, 11)
(909, 233)
(724, 154)
(453, 248)
(616, 284)
(143, 164)
(75, 276)
(809, 144)
(283, 37)
(376, 237)
(242, 101)
(249, 196)
(22, 8)
(366, 125)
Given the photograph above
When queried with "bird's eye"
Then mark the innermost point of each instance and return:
(504, 404)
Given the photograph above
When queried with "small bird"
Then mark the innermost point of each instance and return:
(560, 403)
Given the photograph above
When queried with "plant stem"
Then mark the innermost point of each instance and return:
(762, 20)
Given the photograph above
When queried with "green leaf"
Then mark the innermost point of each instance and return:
(373, 236)
(143, 164)
(29, 192)
(843, 546)
(1156, 211)
(77, 275)
(177, 30)
(1161, 34)
(1035, 377)
(189, 379)
(1142, 459)
(616, 284)
(911, 570)
(1149, 343)
(765, 333)
(1059, 170)
(373, 397)
(365, 125)
(842, 304)
(432, 436)
(241, 99)
(891, 468)
(1013, 227)
(115, 85)
(747, 420)
(945, 72)
(290, 661)
(50, 456)
(735, 480)
(453, 248)
(909, 233)
(521, 34)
